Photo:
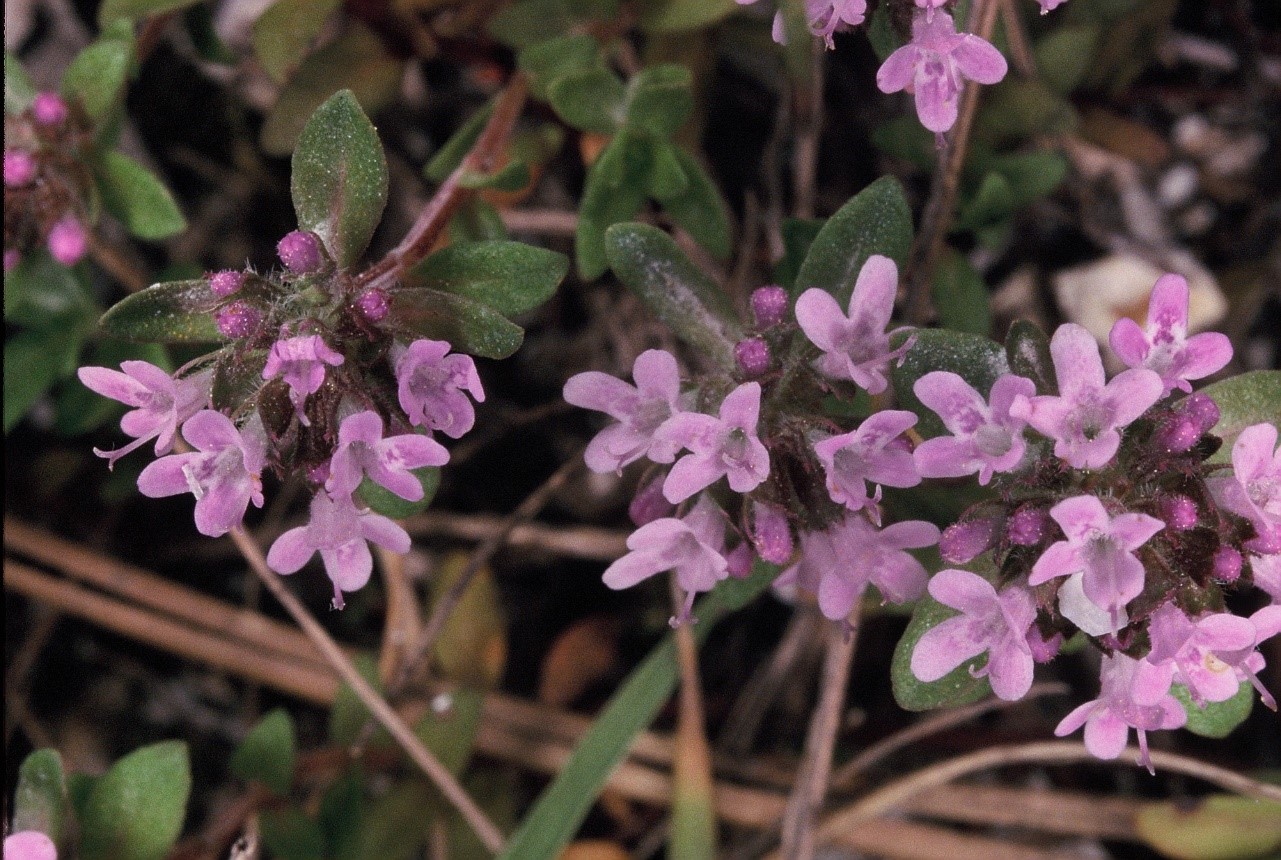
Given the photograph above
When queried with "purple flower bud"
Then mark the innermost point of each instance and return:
(226, 283)
(1227, 564)
(1043, 650)
(1202, 409)
(238, 319)
(49, 109)
(374, 304)
(1178, 434)
(966, 540)
(68, 241)
(771, 534)
(738, 561)
(769, 306)
(300, 252)
(11, 258)
(753, 356)
(1026, 526)
(1179, 512)
(318, 474)
(649, 504)
(19, 168)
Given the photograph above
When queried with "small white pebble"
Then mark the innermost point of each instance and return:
(1178, 185)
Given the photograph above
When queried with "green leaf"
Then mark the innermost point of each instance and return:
(798, 236)
(135, 811)
(387, 503)
(591, 100)
(547, 62)
(340, 178)
(1064, 56)
(1218, 827)
(477, 221)
(452, 735)
(1031, 175)
(957, 687)
(561, 808)
(172, 312)
(1019, 108)
(904, 137)
(673, 16)
(97, 75)
(41, 294)
(267, 753)
(1216, 719)
(700, 210)
(397, 825)
(990, 202)
(347, 715)
(341, 812)
(667, 178)
(877, 220)
(467, 324)
(356, 60)
(111, 10)
(291, 835)
(675, 290)
(529, 22)
(40, 800)
(614, 192)
(135, 196)
(33, 362)
(881, 33)
(18, 89)
(1027, 350)
(960, 295)
(1250, 398)
(510, 277)
(659, 99)
(976, 359)
(237, 377)
(513, 177)
(284, 33)
(451, 155)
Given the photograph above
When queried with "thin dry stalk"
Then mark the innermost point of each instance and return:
(1016, 37)
(692, 767)
(401, 626)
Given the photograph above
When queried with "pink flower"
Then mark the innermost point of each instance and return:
(1267, 575)
(68, 241)
(1047, 5)
(692, 546)
(932, 64)
(1084, 420)
(1205, 653)
(991, 622)
(1135, 695)
(1101, 547)
(875, 452)
(1164, 346)
(727, 446)
(929, 6)
(430, 385)
(224, 473)
(855, 347)
(640, 410)
(826, 17)
(837, 564)
(362, 450)
(19, 168)
(771, 533)
(48, 109)
(1254, 489)
(301, 361)
(29, 845)
(338, 531)
(985, 438)
(160, 402)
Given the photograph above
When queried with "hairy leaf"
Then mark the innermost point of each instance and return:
(267, 753)
(135, 811)
(97, 75)
(468, 325)
(699, 209)
(510, 277)
(172, 312)
(134, 194)
(40, 800)
(284, 33)
(591, 100)
(614, 191)
(1250, 398)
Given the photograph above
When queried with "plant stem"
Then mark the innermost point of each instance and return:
(476, 819)
(693, 826)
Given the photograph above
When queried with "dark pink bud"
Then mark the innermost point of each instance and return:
(1178, 434)
(226, 283)
(1179, 512)
(300, 252)
(318, 474)
(1202, 409)
(374, 304)
(769, 306)
(966, 540)
(238, 319)
(753, 356)
(1043, 650)
(649, 504)
(68, 241)
(1227, 564)
(771, 534)
(11, 259)
(1026, 526)
(49, 109)
(19, 168)
(739, 561)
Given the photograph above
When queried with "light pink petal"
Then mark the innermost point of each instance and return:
(1252, 454)
(113, 384)
(1005, 390)
(1009, 671)
(208, 430)
(692, 430)
(880, 427)
(945, 457)
(1077, 364)
(689, 475)
(964, 591)
(613, 448)
(601, 392)
(1131, 393)
(956, 402)
(1202, 355)
(1060, 559)
(1134, 530)
(836, 596)
(1150, 683)
(349, 565)
(979, 61)
(384, 532)
(894, 467)
(1089, 454)
(899, 577)
(412, 451)
(742, 406)
(816, 312)
(944, 647)
(1081, 516)
(1129, 342)
(633, 568)
(872, 301)
(1113, 580)
(290, 551)
(345, 472)
(912, 534)
(898, 69)
(222, 508)
(657, 375)
(1075, 719)
(29, 845)
(165, 477)
(1105, 735)
(1168, 305)
(364, 427)
(398, 481)
(936, 101)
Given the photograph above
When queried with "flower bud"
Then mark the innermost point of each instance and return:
(966, 540)
(1026, 526)
(1043, 650)
(11, 258)
(226, 283)
(49, 109)
(1202, 409)
(237, 320)
(649, 504)
(300, 252)
(68, 241)
(771, 534)
(19, 168)
(1178, 434)
(374, 304)
(1227, 564)
(739, 561)
(769, 306)
(752, 356)
(1179, 512)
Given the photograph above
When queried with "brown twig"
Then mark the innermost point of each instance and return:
(1016, 37)
(445, 781)
(937, 217)
(816, 766)
(585, 542)
(401, 626)
(809, 129)
(115, 262)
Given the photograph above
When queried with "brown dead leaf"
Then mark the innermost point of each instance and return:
(580, 656)
(594, 849)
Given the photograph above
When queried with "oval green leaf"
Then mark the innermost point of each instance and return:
(172, 312)
(97, 75)
(468, 325)
(285, 32)
(699, 209)
(1219, 827)
(40, 800)
(19, 91)
(590, 100)
(1250, 398)
(510, 277)
(1216, 719)
(673, 16)
(135, 196)
(135, 811)
(267, 753)
(387, 503)
(659, 99)
(614, 191)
